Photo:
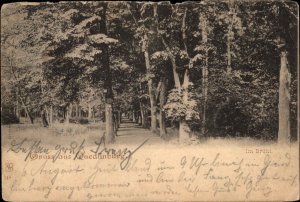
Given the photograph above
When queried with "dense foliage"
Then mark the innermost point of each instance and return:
(213, 65)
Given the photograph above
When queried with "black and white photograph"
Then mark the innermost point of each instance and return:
(150, 101)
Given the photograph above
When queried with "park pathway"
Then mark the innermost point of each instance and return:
(132, 133)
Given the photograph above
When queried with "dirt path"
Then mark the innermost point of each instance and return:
(131, 133)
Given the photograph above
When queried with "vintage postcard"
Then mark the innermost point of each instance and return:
(145, 101)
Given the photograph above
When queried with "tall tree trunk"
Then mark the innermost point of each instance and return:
(109, 121)
(139, 119)
(150, 84)
(169, 52)
(184, 129)
(109, 124)
(68, 113)
(153, 112)
(203, 26)
(45, 116)
(133, 116)
(143, 114)
(162, 101)
(76, 110)
(93, 116)
(229, 38)
(104, 60)
(17, 113)
(46, 110)
(173, 62)
(79, 111)
(284, 134)
(228, 52)
(51, 115)
(204, 92)
(89, 111)
(115, 124)
(118, 119)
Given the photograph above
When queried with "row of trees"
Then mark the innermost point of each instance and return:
(215, 68)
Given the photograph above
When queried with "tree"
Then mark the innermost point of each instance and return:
(143, 27)
(284, 134)
(108, 80)
(21, 61)
(181, 103)
(285, 13)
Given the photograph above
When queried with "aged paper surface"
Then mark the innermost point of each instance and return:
(71, 153)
